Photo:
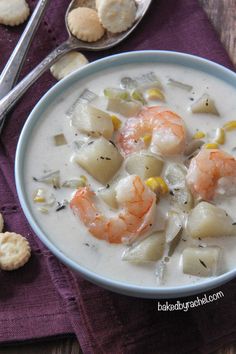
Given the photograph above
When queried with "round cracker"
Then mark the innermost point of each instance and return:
(13, 12)
(67, 64)
(116, 15)
(85, 25)
(14, 251)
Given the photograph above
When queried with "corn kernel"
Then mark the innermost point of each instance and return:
(220, 136)
(199, 135)
(138, 96)
(116, 122)
(157, 185)
(211, 146)
(231, 125)
(155, 94)
(147, 139)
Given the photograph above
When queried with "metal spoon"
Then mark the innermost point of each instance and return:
(12, 69)
(107, 41)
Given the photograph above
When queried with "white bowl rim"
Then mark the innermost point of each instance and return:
(145, 56)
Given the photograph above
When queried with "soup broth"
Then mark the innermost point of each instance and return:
(46, 155)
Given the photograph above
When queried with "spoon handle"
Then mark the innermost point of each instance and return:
(17, 92)
(12, 69)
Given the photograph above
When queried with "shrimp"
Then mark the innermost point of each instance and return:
(166, 129)
(209, 170)
(138, 205)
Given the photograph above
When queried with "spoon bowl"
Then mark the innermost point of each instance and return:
(108, 41)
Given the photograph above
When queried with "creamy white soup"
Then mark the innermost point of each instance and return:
(147, 196)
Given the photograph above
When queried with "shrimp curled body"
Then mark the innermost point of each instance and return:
(138, 205)
(165, 127)
(210, 170)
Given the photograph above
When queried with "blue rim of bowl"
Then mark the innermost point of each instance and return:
(136, 57)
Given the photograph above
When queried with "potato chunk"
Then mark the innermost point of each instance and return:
(205, 104)
(92, 121)
(100, 158)
(144, 165)
(203, 262)
(108, 195)
(149, 250)
(207, 220)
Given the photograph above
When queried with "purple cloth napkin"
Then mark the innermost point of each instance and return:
(44, 298)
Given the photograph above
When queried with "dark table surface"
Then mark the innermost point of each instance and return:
(222, 14)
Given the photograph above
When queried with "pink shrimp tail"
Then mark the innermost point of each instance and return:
(206, 169)
(99, 226)
(156, 122)
(135, 218)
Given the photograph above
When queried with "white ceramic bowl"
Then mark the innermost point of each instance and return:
(95, 67)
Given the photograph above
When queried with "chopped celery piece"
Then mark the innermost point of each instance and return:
(39, 196)
(43, 210)
(77, 144)
(52, 178)
(116, 93)
(138, 96)
(174, 243)
(59, 140)
(174, 225)
(75, 183)
(180, 85)
(174, 230)
(125, 108)
(175, 175)
(50, 201)
(88, 95)
(181, 198)
(128, 83)
(85, 96)
(148, 80)
(143, 81)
